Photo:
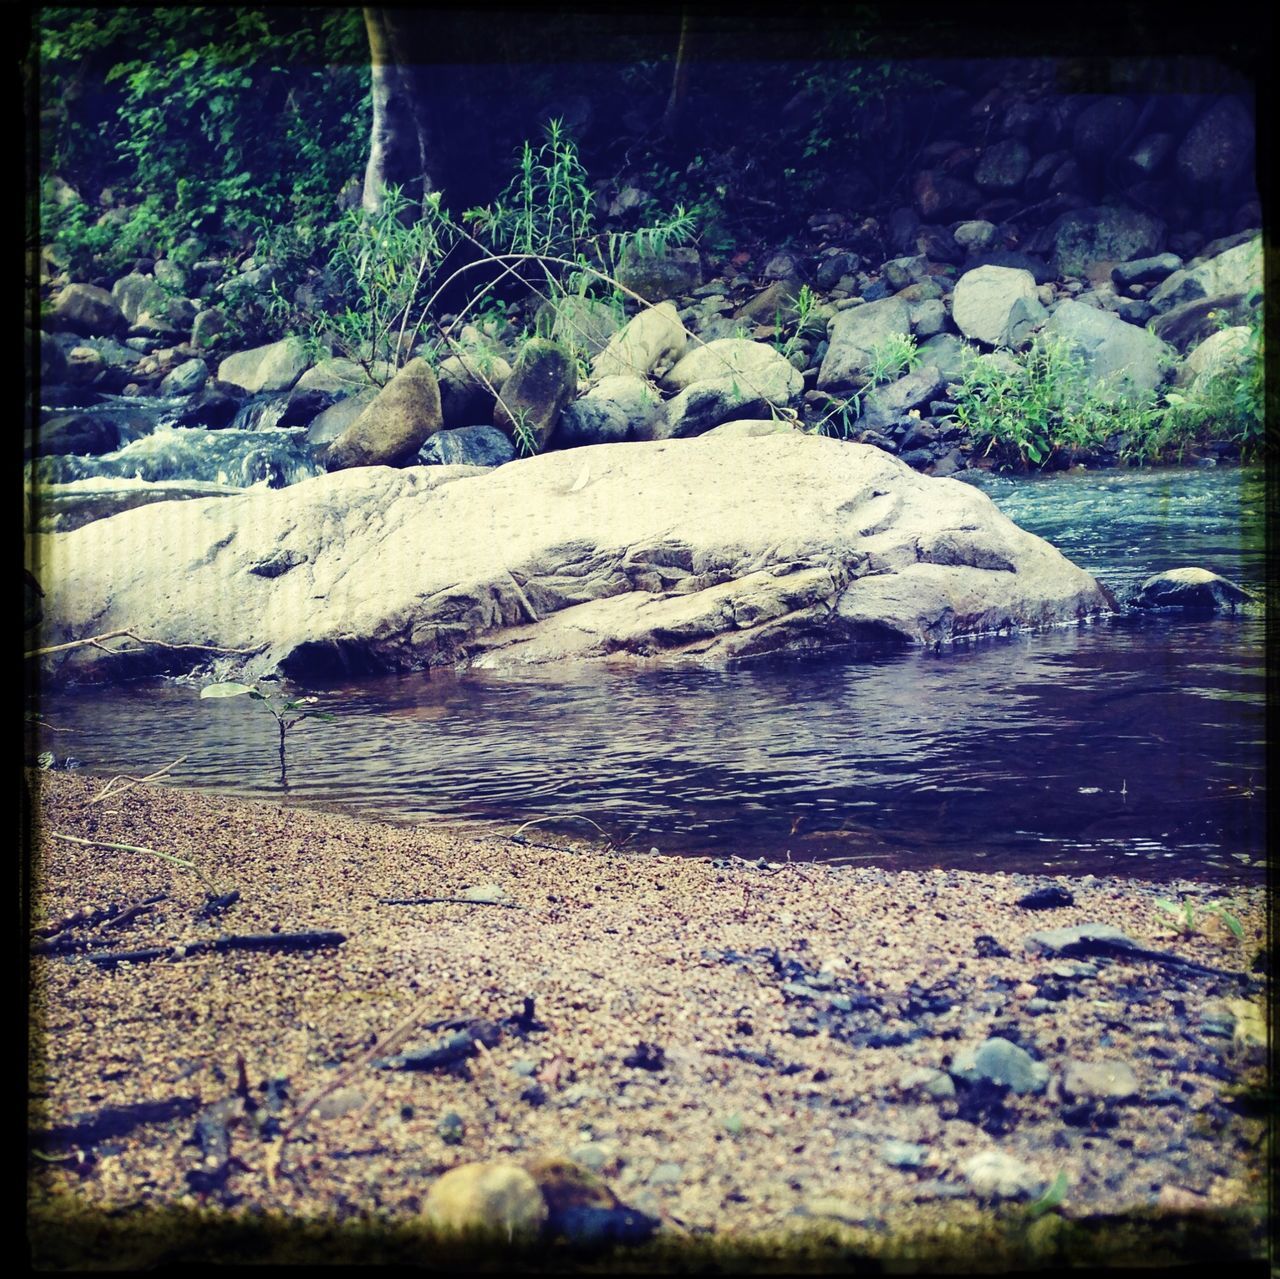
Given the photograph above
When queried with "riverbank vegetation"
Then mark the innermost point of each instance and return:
(228, 145)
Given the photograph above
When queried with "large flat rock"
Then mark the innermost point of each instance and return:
(707, 548)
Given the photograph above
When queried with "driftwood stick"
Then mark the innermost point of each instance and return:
(107, 793)
(457, 901)
(96, 642)
(220, 945)
(114, 1121)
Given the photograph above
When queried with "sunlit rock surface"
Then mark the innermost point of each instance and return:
(708, 549)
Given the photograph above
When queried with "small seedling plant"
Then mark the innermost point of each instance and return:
(1188, 916)
(288, 712)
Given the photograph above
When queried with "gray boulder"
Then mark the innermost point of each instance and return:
(886, 404)
(950, 353)
(687, 550)
(853, 335)
(1108, 1080)
(658, 277)
(53, 363)
(1219, 146)
(1145, 270)
(88, 310)
(1120, 360)
(976, 236)
(152, 310)
(998, 306)
(394, 425)
(1226, 353)
(330, 423)
(343, 377)
(757, 366)
(1002, 166)
(1082, 237)
(998, 1061)
(1186, 325)
(274, 367)
(584, 324)
(705, 404)
(467, 446)
(187, 378)
(631, 398)
(1194, 588)
(542, 382)
(1238, 270)
(650, 342)
(589, 421)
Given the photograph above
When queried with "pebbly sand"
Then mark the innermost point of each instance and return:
(729, 1046)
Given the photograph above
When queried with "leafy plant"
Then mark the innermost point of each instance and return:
(891, 357)
(287, 712)
(806, 322)
(1189, 916)
(195, 118)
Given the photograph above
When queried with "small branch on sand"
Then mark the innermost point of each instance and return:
(558, 817)
(219, 945)
(114, 1121)
(141, 848)
(92, 916)
(130, 782)
(96, 641)
(457, 901)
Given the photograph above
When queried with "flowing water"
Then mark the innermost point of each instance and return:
(1139, 741)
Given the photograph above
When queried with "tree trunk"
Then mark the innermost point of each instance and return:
(679, 78)
(397, 141)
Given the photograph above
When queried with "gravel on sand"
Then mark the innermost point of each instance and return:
(735, 1048)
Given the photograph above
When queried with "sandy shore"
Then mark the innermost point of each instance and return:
(730, 1047)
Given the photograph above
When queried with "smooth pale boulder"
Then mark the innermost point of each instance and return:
(1226, 353)
(486, 1198)
(274, 367)
(1238, 270)
(682, 550)
(756, 365)
(650, 342)
(394, 425)
(87, 309)
(997, 305)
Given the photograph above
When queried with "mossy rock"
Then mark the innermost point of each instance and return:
(542, 382)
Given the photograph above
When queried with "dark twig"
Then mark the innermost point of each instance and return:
(220, 945)
(457, 901)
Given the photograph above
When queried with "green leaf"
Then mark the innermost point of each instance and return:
(229, 689)
(1174, 910)
(1051, 1198)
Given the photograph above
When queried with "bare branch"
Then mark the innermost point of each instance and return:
(96, 642)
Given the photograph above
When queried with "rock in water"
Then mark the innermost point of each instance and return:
(487, 1198)
(1194, 588)
(700, 549)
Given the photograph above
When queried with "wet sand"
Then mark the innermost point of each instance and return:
(729, 1046)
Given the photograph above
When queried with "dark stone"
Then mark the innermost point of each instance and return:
(1219, 146)
(1145, 270)
(1101, 126)
(212, 408)
(831, 269)
(77, 433)
(646, 1057)
(875, 291)
(1050, 897)
(467, 446)
(304, 405)
(1188, 324)
(986, 947)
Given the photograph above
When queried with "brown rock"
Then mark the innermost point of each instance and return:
(396, 423)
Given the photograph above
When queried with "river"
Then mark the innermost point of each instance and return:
(1137, 743)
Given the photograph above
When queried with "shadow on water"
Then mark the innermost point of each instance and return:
(1138, 741)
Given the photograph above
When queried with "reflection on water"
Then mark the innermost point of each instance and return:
(1138, 741)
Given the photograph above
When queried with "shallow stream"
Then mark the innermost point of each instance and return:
(1135, 742)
